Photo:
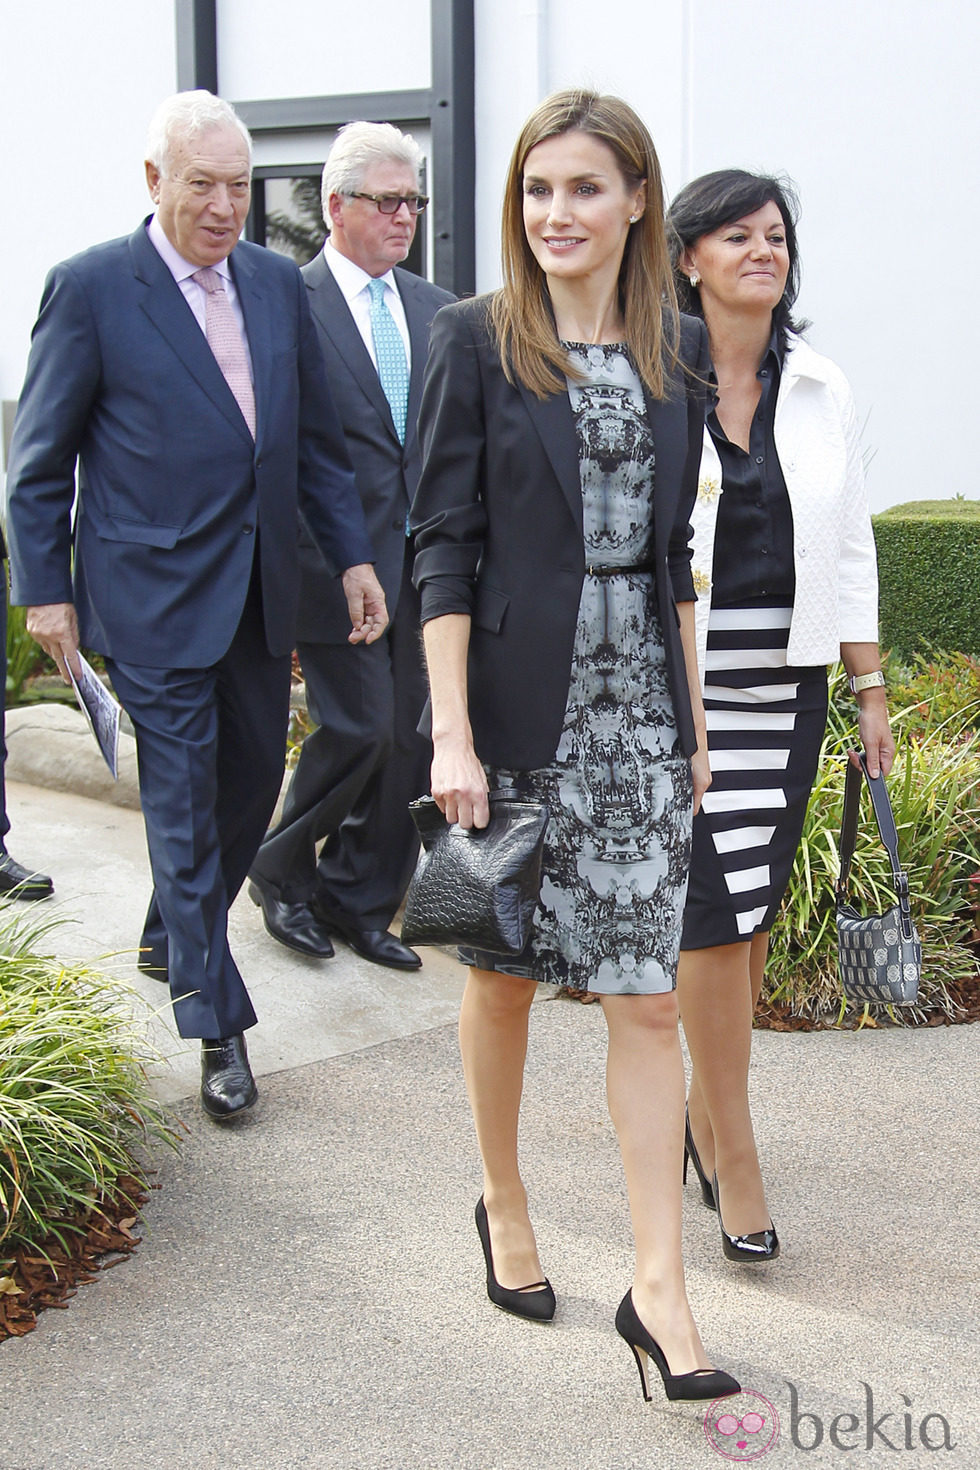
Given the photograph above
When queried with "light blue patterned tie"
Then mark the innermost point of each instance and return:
(389, 352)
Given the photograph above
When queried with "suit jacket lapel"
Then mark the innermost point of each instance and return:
(166, 308)
(260, 330)
(555, 424)
(334, 316)
(418, 335)
(667, 418)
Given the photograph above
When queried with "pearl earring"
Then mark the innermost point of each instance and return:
(694, 278)
(634, 218)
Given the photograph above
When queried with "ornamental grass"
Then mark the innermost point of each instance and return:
(76, 1111)
(934, 790)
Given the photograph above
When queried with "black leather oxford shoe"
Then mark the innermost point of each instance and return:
(293, 924)
(19, 882)
(377, 945)
(227, 1084)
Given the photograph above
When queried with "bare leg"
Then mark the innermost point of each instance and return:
(645, 1086)
(717, 989)
(493, 1044)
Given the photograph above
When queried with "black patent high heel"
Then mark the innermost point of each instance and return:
(535, 1302)
(703, 1383)
(690, 1152)
(759, 1245)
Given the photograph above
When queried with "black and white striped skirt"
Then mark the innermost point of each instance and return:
(765, 720)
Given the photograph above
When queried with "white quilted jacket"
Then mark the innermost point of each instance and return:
(834, 551)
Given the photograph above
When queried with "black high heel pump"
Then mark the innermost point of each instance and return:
(703, 1383)
(535, 1302)
(690, 1152)
(759, 1245)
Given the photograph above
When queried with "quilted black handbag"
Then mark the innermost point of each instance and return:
(879, 957)
(476, 886)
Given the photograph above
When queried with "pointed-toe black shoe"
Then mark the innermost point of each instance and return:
(535, 1302)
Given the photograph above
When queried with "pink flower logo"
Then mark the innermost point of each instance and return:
(742, 1427)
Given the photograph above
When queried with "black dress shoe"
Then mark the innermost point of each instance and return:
(227, 1084)
(690, 1152)
(20, 882)
(378, 945)
(536, 1303)
(702, 1383)
(293, 924)
(760, 1245)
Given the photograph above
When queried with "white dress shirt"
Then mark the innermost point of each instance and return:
(192, 291)
(354, 283)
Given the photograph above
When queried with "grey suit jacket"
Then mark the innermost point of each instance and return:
(387, 472)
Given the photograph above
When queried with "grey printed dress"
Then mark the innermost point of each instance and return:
(619, 788)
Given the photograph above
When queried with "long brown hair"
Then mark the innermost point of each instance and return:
(520, 312)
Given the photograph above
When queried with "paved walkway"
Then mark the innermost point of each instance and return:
(309, 1293)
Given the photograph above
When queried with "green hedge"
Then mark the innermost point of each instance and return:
(929, 572)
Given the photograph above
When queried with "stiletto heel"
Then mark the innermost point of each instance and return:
(535, 1302)
(759, 1245)
(690, 1152)
(703, 1383)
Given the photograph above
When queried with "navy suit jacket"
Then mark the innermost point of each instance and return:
(172, 490)
(498, 529)
(386, 471)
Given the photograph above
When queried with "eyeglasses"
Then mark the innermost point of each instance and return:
(391, 203)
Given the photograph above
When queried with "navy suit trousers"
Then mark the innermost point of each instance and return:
(211, 747)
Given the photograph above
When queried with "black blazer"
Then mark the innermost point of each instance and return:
(386, 471)
(498, 529)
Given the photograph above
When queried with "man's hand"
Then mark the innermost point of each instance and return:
(365, 603)
(55, 626)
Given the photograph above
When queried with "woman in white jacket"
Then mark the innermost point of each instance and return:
(785, 571)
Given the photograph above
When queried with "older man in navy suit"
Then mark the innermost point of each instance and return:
(366, 761)
(180, 368)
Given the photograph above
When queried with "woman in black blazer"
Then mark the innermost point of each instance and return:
(561, 437)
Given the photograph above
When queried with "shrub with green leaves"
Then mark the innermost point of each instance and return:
(935, 795)
(928, 555)
(938, 691)
(75, 1105)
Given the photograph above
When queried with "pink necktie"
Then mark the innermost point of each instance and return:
(225, 340)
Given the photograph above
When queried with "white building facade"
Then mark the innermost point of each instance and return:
(869, 108)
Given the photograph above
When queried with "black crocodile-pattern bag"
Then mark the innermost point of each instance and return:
(879, 956)
(476, 887)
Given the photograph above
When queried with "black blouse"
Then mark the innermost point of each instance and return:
(753, 553)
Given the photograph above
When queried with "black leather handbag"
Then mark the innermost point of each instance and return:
(879, 956)
(477, 886)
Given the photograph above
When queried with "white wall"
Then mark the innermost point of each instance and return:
(78, 84)
(319, 48)
(528, 48)
(870, 107)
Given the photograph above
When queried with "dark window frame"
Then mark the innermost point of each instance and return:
(447, 108)
(256, 227)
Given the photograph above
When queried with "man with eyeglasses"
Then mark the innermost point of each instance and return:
(365, 761)
(180, 368)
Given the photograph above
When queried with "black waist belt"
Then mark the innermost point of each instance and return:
(639, 566)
